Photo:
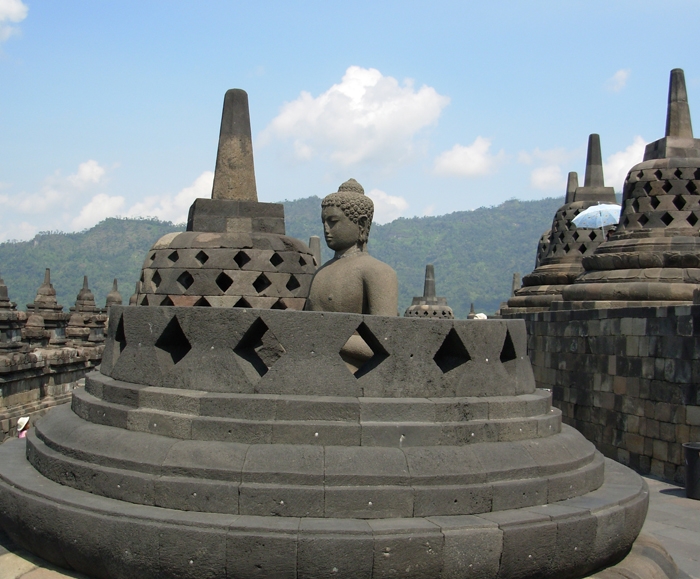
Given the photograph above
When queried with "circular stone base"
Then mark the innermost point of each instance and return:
(107, 538)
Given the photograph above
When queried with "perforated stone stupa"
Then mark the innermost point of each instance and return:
(429, 305)
(654, 255)
(559, 259)
(235, 252)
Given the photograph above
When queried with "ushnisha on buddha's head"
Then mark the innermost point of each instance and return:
(347, 218)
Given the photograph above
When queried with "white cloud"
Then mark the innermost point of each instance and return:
(88, 173)
(548, 174)
(547, 177)
(11, 12)
(387, 207)
(22, 230)
(618, 164)
(98, 208)
(366, 117)
(470, 161)
(174, 208)
(618, 80)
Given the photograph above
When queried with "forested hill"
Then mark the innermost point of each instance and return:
(474, 252)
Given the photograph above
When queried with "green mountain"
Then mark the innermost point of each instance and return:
(474, 252)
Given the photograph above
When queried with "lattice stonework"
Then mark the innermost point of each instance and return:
(667, 197)
(566, 239)
(199, 275)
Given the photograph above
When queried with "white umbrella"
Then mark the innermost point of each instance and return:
(598, 216)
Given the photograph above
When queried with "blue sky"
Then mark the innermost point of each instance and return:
(113, 108)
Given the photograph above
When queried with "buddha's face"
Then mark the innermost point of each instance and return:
(339, 230)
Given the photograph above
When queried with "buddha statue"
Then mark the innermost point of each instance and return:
(353, 281)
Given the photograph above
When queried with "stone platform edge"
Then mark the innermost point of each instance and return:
(111, 539)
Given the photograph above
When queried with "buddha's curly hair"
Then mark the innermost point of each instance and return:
(353, 202)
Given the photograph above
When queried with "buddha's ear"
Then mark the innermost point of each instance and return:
(363, 224)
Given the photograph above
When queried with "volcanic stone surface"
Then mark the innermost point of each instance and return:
(237, 443)
(653, 256)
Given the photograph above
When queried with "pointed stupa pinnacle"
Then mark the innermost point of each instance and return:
(678, 114)
(472, 313)
(429, 286)
(351, 186)
(516, 284)
(571, 186)
(234, 176)
(85, 293)
(4, 295)
(114, 298)
(594, 163)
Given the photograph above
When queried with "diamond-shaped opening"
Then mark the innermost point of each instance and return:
(647, 187)
(582, 248)
(691, 187)
(575, 236)
(302, 261)
(692, 219)
(667, 219)
(508, 355)
(156, 279)
(643, 220)
(508, 349)
(635, 205)
(167, 302)
(452, 353)
(174, 256)
(667, 186)
(293, 283)
(276, 259)
(224, 281)
(562, 235)
(697, 175)
(566, 248)
(679, 202)
(119, 335)
(242, 303)
(592, 235)
(241, 258)
(262, 283)
(173, 342)
(279, 305)
(202, 303)
(258, 350)
(654, 202)
(144, 301)
(185, 279)
(658, 174)
(678, 173)
(640, 174)
(363, 352)
(202, 257)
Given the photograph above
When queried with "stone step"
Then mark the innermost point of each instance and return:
(562, 539)
(318, 431)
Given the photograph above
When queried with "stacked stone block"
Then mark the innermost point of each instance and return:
(627, 378)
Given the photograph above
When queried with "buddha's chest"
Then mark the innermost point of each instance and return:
(337, 288)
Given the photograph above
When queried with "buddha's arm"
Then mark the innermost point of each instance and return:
(382, 290)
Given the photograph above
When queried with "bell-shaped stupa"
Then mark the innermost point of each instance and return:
(653, 258)
(429, 305)
(235, 252)
(559, 259)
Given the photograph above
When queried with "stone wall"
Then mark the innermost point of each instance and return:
(627, 378)
(33, 382)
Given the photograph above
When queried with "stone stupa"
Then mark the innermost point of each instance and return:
(229, 442)
(429, 305)
(559, 260)
(653, 257)
(235, 252)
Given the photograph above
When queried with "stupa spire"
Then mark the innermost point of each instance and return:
(594, 163)
(571, 186)
(429, 285)
(234, 176)
(678, 114)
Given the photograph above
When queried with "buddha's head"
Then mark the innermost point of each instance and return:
(347, 217)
